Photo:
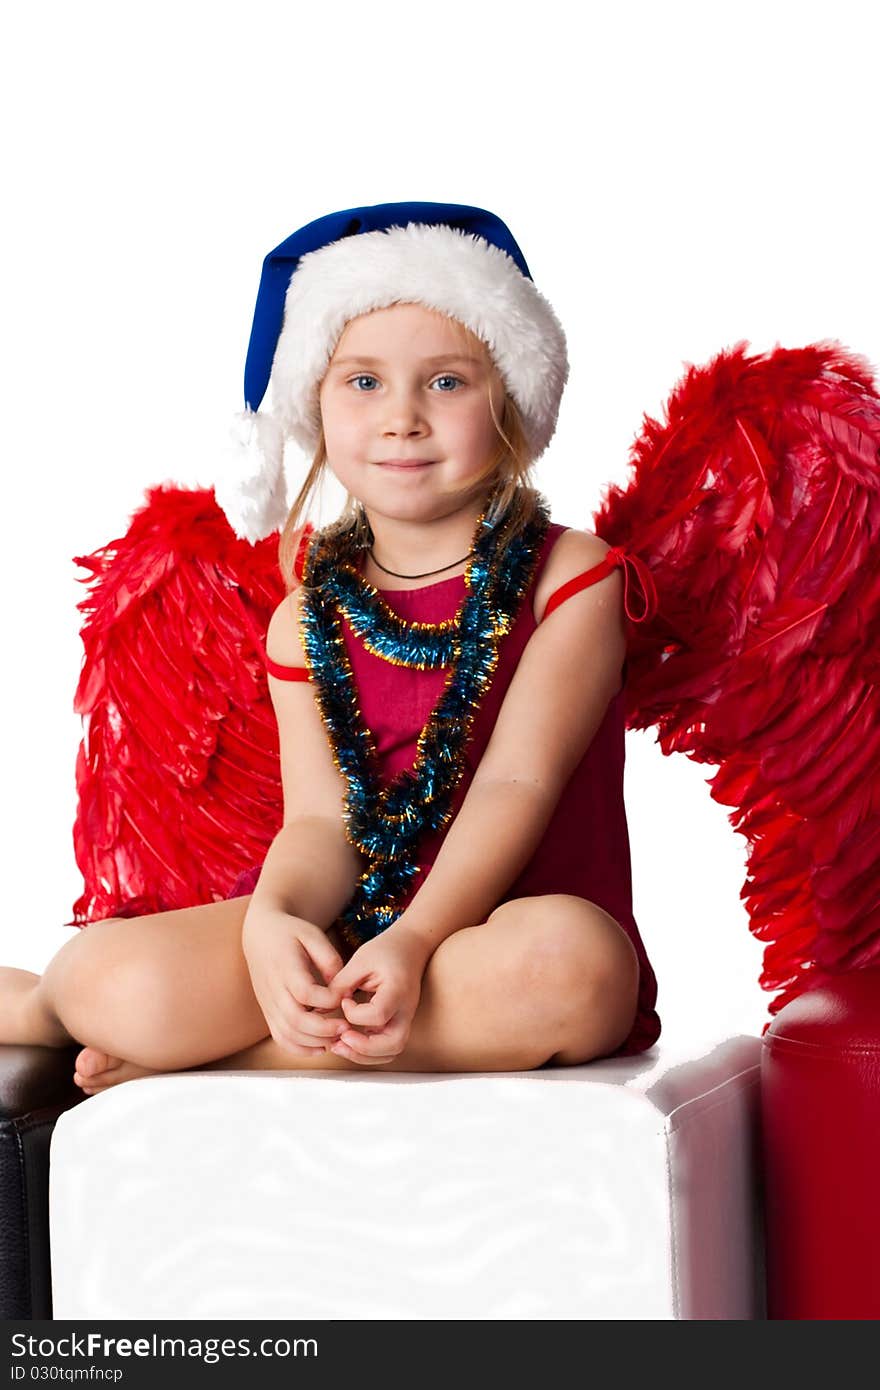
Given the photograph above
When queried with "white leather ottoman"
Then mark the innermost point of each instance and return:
(628, 1188)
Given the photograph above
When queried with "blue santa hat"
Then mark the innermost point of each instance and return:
(457, 259)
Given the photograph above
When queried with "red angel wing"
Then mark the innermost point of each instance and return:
(178, 775)
(756, 508)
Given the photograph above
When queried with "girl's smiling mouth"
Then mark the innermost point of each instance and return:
(404, 464)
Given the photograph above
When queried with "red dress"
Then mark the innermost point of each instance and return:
(585, 848)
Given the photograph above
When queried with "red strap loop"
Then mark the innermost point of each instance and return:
(641, 577)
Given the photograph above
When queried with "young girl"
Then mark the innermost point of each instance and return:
(450, 889)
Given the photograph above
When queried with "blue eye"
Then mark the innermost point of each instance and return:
(368, 376)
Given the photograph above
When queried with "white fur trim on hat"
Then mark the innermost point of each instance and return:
(445, 268)
(250, 486)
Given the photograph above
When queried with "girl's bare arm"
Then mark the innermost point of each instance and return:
(311, 869)
(567, 675)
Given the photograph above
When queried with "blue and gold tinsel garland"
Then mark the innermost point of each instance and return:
(388, 823)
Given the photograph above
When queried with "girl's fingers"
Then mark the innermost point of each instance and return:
(374, 1013)
(285, 1018)
(326, 957)
(312, 1025)
(343, 1050)
(379, 1046)
(303, 985)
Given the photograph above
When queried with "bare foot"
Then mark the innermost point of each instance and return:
(96, 1070)
(26, 1019)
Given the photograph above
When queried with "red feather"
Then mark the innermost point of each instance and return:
(756, 507)
(178, 775)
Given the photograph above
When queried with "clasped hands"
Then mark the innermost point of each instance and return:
(284, 954)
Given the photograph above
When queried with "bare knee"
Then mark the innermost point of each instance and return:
(580, 963)
(564, 940)
(105, 995)
(74, 979)
(583, 943)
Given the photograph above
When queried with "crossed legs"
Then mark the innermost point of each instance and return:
(544, 979)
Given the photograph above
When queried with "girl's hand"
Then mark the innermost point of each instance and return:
(390, 967)
(286, 956)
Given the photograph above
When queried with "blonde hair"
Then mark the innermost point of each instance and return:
(510, 464)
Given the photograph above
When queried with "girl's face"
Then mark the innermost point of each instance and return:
(398, 388)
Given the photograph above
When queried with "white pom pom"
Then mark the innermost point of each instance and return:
(250, 485)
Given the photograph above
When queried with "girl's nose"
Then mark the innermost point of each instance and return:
(403, 413)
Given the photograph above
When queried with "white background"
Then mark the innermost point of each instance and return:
(679, 176)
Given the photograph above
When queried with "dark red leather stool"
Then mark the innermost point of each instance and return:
(820, 1102)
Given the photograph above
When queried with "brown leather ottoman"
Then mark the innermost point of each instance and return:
(36, 1086)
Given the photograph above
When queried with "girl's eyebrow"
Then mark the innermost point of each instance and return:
(377, 361)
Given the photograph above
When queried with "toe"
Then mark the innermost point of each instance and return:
(91, 1061)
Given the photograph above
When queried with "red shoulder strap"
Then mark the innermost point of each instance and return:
(285, 673)
(615, 556)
